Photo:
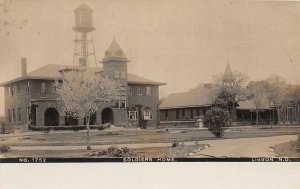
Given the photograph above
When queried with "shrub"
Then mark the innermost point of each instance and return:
(114, 151)
(176, 143)
(216, 120)
(4, 149)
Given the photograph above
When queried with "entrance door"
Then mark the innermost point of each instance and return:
(107, 116)
(51, 117)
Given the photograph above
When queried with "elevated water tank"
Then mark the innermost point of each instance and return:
(83, 19)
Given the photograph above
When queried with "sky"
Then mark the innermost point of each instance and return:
(179, 42)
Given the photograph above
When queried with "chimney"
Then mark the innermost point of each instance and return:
(24, 66)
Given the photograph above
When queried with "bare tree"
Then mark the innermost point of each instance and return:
(235, 91)
(259, 95)
(290, 96)
(275, 86)
(82, 93)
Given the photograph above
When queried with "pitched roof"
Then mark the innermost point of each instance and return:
(199, 96)
(114, 52)
(202, 95)
(53, 72)
(228, 75)
(250, 105)
(83, 6)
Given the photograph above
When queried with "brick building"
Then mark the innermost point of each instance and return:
(31, 98)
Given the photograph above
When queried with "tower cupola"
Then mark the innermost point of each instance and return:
(228, 77)
(115, 62)
(114, 52)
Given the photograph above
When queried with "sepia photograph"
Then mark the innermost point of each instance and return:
(149, 81)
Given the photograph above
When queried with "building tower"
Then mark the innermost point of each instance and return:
(115, 67)
(84, 46)
(115, 62)
(228, 77)
(228, 82)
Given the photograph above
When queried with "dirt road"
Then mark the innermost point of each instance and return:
(244, 147)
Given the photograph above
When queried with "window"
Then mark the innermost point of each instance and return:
(117, 74)
(28, 114)
(130, 90)
(121, 104)
(12, 90)
(123, 91)
(19, 115)
(118, 104)
(177, 113)
(197, 111)
(53, 88)
(9, 91)
(13, 115)
(147, 115)
(139, 91)
(28, 87)
(183, 113)
(43, 89)
(132, 115)
(123, 75)
(9, 115)
(191, 113)
(18, 88)
(166, 115)
(148, 90)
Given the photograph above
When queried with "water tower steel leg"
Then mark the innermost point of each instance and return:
(84, 49)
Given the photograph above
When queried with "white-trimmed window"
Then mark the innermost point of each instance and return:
(148, 89)
(121, 104)
(147, 115)
(132, 115)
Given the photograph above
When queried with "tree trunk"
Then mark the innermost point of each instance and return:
(257, 117)
(88, 133)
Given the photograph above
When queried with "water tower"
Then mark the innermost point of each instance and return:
(84, 43)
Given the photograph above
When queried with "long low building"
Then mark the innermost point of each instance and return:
(186, 108)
